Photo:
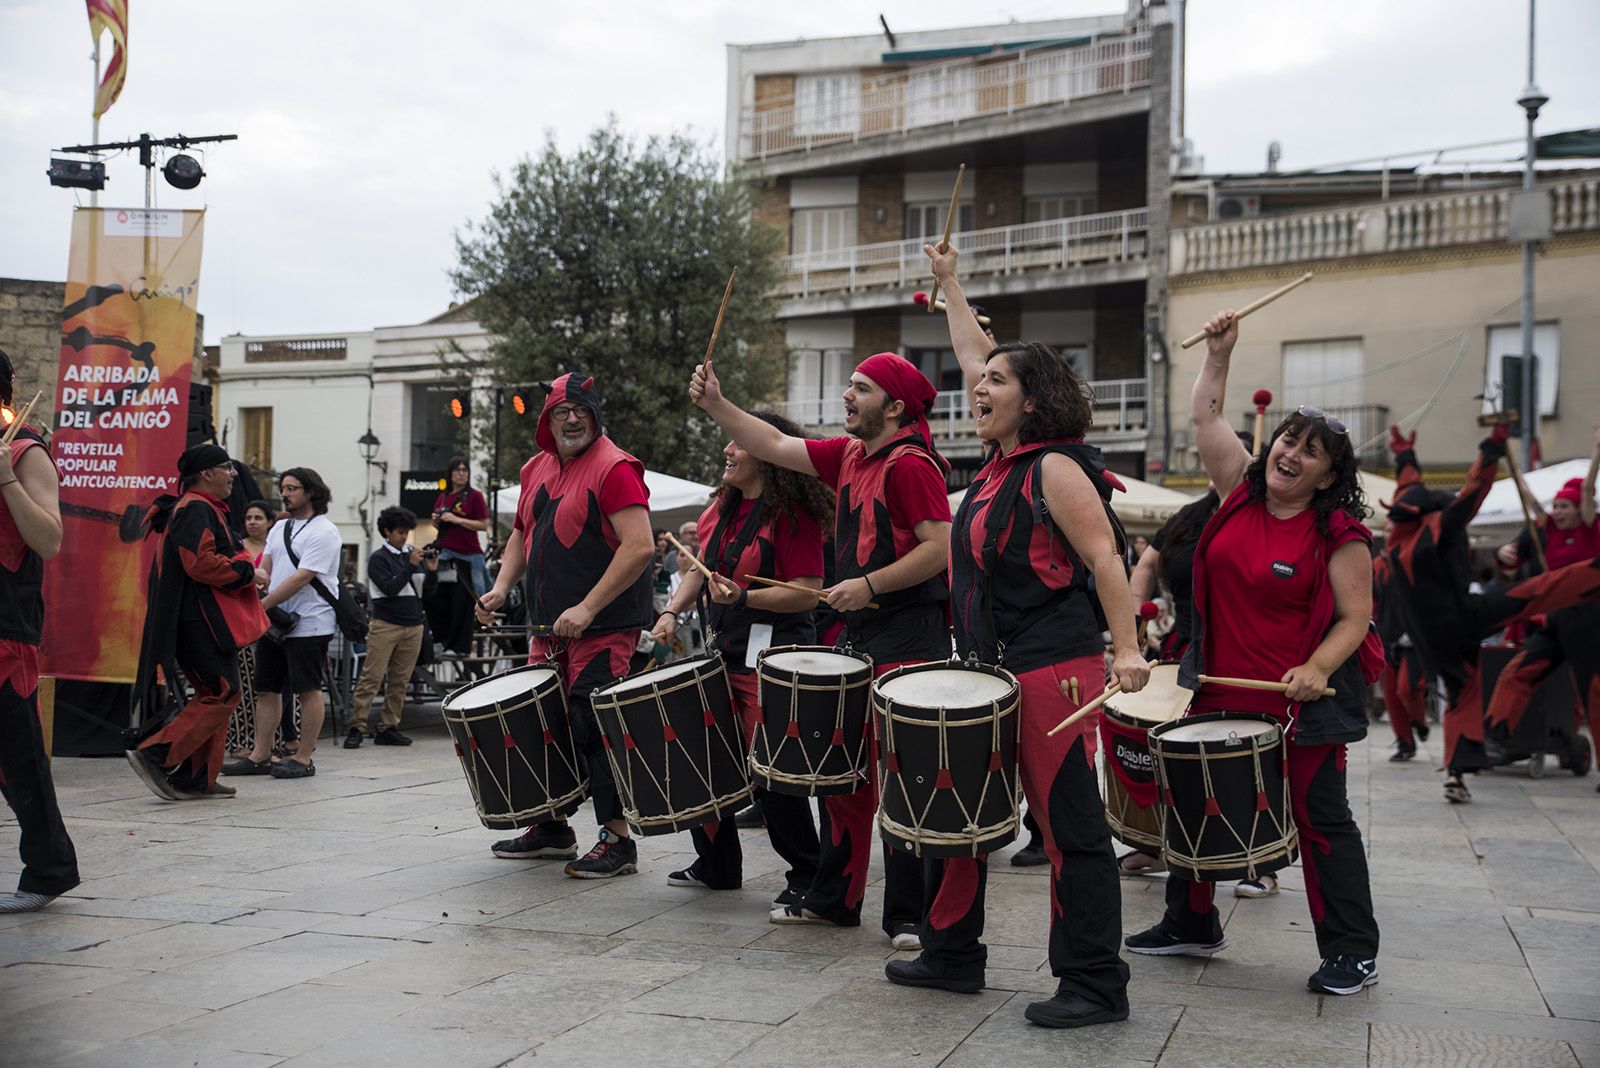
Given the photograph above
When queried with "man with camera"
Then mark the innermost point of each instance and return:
(396, 635)
(302, 552)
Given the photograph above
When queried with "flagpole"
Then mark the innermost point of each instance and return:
(94, 98)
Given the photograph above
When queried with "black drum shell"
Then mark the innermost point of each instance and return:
(809, 763)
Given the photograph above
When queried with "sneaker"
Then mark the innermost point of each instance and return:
(917, 973)
(24, 901)
(211, 793)
(1455, 791)
(353, 739)
(610, 857)
(1159, 942)
(750, 816)
(1030, 856)
(390, 736)
(1403, 753)
(1265, 886)
(541, 841)
(794, 914)
(790, 896)
(906, 938)
(1343, 975)
(1070, 1010)
(689, 877)
(152, 774)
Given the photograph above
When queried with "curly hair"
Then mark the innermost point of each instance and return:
(1183, 531)
(1344, 495)
(1063, 404)
(784, 492)
(317, 491)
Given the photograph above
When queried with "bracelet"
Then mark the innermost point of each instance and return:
(744, 598)
(868, 580)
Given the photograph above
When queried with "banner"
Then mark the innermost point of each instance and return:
(122, 402)
(110, 16)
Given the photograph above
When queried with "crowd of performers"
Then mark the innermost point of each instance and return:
(1030, 574)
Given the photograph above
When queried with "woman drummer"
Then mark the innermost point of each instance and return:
(1029, 536)
(1283, 592)
(768, 521)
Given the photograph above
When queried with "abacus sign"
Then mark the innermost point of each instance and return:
(419, 489)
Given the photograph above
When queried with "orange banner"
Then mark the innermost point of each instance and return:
(122, 404)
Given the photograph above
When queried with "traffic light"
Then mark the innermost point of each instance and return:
(522, 401)
(459, 405)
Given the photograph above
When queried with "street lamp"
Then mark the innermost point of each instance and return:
(1531, 100)
(368, 444)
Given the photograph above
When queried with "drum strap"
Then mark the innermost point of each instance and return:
(715, 556)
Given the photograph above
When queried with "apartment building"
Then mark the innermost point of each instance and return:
(1066, 130)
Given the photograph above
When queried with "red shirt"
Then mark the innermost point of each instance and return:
(622, 488)
(796, 544)
(917, 495)
(1576, 546)
(468, 504)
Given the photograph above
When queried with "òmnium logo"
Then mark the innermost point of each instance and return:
(1283, 569)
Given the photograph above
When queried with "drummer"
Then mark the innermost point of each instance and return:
(1286, 555)
(1021, 589)
(768, 521)
(588, 584)
(891, 546)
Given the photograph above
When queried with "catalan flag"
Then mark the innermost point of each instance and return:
(110, 16)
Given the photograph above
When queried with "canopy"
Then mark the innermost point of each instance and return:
(672, 500)
(1502, 512)
(1142, 509)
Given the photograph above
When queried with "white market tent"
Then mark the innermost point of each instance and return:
(673, 501)
(1501, 514)
(1143, 509)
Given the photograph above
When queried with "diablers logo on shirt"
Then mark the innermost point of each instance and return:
(1283, 569)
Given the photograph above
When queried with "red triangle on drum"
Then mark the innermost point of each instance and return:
(628, 743)
(838, 736)
(711, 718)
(994, 760)
(943, 781)
(667, 733)
(472, 744)
(1212, 808)
(891, 761)
(1261, 801)
(511, 743)
(549, 737)
(792, 730)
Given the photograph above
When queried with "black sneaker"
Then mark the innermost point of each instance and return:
(790, 896)
(542, 840)
(1159, 942)
(390, 736)
(1402, 753)
(1422, 730)
(148, 767)
(1070, 1010)
(353, 739)
(1030, 856)
(689, 877)
(1343, 975)
(915, 972)
(610, 857)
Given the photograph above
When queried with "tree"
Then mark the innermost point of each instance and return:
(612, 261)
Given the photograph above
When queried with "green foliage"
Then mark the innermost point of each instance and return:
(612, 261)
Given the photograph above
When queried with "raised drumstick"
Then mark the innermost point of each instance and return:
(19, 419)
(1105, 695)
(716, 330)
(1258, 684)
(1261, 399)
(944, 244)
(795, 586)
(1254, 305)
(711, 576)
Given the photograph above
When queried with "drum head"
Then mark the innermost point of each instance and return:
(1161, 701)
(497, 689)
(944, 688)
(1217, 730)
(814, 662)
(682, 671)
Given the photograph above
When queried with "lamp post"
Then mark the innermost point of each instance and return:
(1531, 100)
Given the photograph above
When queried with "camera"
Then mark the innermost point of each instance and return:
(430, 552)
(282, 622)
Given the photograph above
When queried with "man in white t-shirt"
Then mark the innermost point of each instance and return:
(303, 545)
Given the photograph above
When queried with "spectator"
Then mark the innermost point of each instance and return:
(460, 513)
(395, 638)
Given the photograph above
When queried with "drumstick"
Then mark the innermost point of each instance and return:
(717, 329)
(1105, 695)
(1261, 399)
(944, 245)
(1259, 684)
(1254, 305)
(796, 587)
(1527, 513)
(710, 575)
(19, 418)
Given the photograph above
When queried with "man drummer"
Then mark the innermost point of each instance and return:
(891, 543)
(582, 540)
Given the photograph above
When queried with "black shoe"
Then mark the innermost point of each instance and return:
(542, 840)
(390, 736)
(611, 856)
(790, 896)
(916, 972)
(691, 877)
(294, 769)
(749, 816)
(246, 766)
(1403, 753)
(1159, 942)
(353, 739)
(1069, 1010)
(1422, 730)
(210, 793)
(1343, 975)
(1030, 855)
(148, 767)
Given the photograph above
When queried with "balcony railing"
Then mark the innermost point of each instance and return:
(946, 94)
(1053, 244)
(1119, 408)
(1389, 226)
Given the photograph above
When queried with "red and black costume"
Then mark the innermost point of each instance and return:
(203, 608)
(49, 862)
(570, 543)
(1431, 574)
(1022, 601)
(1254, 575)
(1404, 679)
(734, 544)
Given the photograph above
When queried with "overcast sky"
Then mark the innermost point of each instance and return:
(369, 131)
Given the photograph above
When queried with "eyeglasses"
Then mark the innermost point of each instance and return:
(567, 411)
(285, 487)
(1317, 413)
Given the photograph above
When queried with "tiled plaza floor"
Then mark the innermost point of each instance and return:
(358, 918)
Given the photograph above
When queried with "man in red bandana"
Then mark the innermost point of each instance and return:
(891, 547)
(582, 539)
(30, 533)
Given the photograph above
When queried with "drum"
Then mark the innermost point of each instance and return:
(1225, 796)
(673, 741)
(515, 744)
(812, 736)
(1130, 770)
(948, 758)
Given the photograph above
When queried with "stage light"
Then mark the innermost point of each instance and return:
(77, 173)
(183, 171)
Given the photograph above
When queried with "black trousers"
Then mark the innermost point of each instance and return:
(789, 826)
(49, 862)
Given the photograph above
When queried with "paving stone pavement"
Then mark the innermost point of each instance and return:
(358, 918)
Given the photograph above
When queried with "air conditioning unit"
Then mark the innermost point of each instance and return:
(1238, 208)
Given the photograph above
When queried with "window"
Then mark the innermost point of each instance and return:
(1079, 357)
(817, 379)
(827, 104)
(822, 230)
(1058, 206)
(942, 94)
(940, 367)
(255, 432)
(925, 222)
(436, 434)
(1322, 373)
(1507, 341)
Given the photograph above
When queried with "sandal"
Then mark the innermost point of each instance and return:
(1136, 862)
(293, 769)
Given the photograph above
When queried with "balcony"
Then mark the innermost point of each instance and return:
(943, 96)
(1119, 414)
(1108, 240)
(1403, 225)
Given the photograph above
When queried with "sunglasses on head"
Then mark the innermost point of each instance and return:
(1317, 413)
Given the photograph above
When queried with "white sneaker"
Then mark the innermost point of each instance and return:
(1265, 886)
(906, 940)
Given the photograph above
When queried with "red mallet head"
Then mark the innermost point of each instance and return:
(1261, 398)
(1149, 610)
(920, 299)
